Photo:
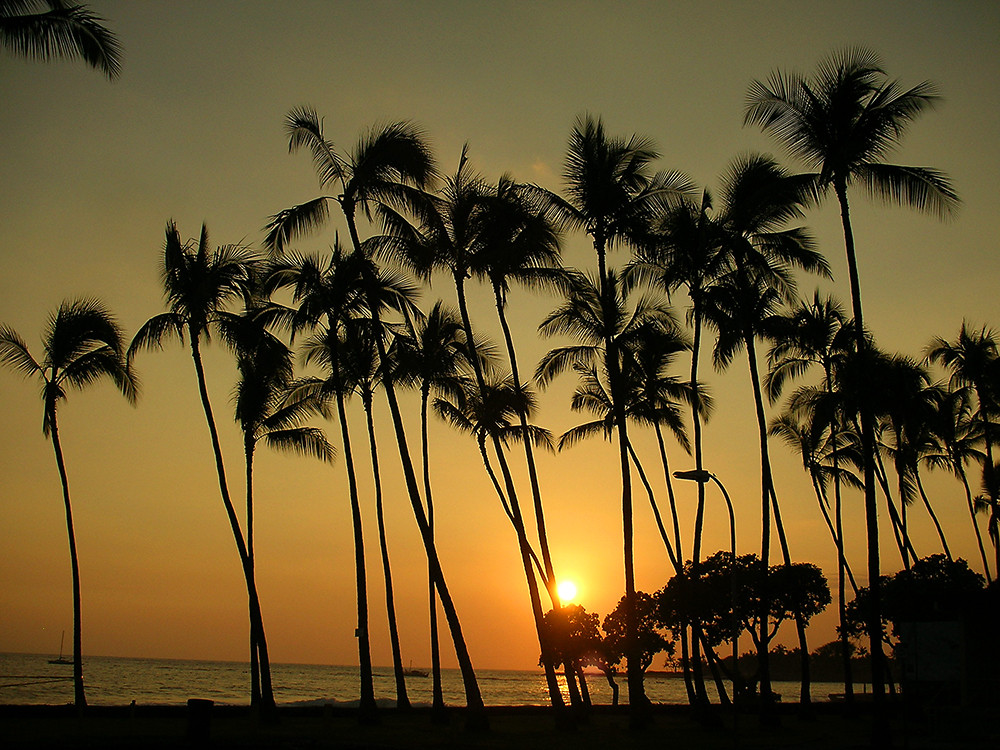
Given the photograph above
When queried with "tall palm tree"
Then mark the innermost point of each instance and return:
(842, 121)
(431, 354)
(65, 29)
(82, 343)
(519, 242)
(384, 173)
(265, 372)
(686, 251)
(758, 199)
(200, 285)
(613, 194)
(449, 237)
(330, 293)
(364, 370)
(810, 334)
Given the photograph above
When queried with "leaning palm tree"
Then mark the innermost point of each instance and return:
(450, 235)
(842, 122)
(385, 172)
(519, 242)
(758, 199)
(265, 372)
(363, 369)
(612, 193)
(67, 30)
(200, 285)
(82, 344)
(431, 353)
(331, 294)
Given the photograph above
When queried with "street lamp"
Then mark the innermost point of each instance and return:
(701, 476)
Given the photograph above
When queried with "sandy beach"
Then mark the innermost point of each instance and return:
(524, 728)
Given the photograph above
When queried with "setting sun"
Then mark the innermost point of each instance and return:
(567, 591)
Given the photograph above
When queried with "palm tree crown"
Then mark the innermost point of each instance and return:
(64, 30)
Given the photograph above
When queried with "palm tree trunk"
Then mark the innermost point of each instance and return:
(248, 450)
(79, 696)
(674, 561)
(874, 623)
(699, 521)
(476, 717)
(638, 703)
(367, 707)
(960, 470)
(402, 700)
(933, 515)
(555, 695)
(529, 457)
(256, 624)
(437, 691)
(767, 490)
(842, 566)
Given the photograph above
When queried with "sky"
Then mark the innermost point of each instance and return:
(193, 131)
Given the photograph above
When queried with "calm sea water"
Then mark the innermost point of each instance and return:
(30, 679)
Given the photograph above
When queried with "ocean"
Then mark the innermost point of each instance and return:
(31, 679)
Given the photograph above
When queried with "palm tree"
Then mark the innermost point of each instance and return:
(330, 293)
(758, 199)
(451, 232)
(613, 195)
(687, 252)
(974, 360)
(364, 370)
(519, 242)
(842, 122)
(82, 343)
(387, 170)
(959, 435)
(816, 333)
(199, 286)
(265, 372)
(431, 354)
(63, 30)
(585, 317)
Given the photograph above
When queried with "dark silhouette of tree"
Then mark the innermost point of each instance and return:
(266, 373)
(973, 360)
(384, 174)
(612, 194)
(65, 29)
(362, 367)
(842, 121)
(686, 251)
(519, 242)
(649, 641)
(431, 353)
(82, 343)
(758, 199)
(331, 293)
(449, 236)
(199, 286)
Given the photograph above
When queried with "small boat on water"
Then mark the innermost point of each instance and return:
(62, 659)
(411, 672)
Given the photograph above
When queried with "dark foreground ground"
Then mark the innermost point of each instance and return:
(675, 727)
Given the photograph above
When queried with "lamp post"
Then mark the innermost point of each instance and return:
(701, 476)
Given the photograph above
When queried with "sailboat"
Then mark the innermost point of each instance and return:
(411, 672)
(62, 659)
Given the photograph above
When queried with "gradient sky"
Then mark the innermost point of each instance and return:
(92, 170)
